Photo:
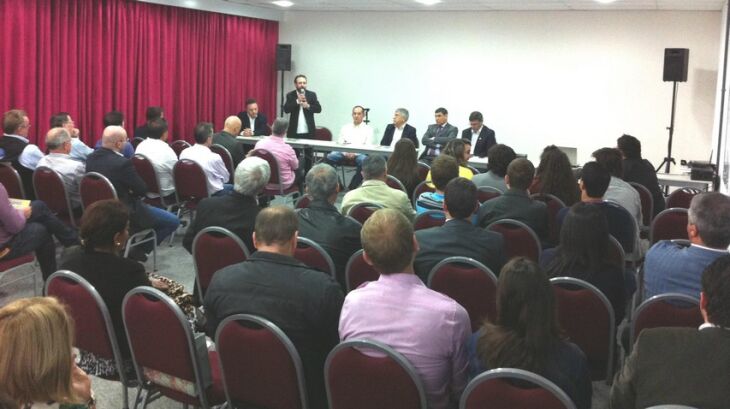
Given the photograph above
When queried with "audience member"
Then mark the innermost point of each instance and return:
(428, 328)
(21, 154)
(37, 368)
(79, 150)
(323, 223)
(375, 190)
(160, 154)
(683, 366)
(639, 170)
(253, 122)
(619, 191)
(459, 150)
(58, 142)
(515, 203)
(438, 135)
(355, 133)
(554, 176)
(498, 158)
(237, 211)
(674, 268)
(585, 253)
(116, 118)
(443, 170)
(216, 174)
(526, 335)
(399, 129)
(478, 136)
(458, 236)
(304, 303)
(153, 112)
(403, 165)
(227, 139)
(289, 170)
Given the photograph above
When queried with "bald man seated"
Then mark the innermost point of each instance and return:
(227, 139)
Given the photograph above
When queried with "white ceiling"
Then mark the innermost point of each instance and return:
(487, 5)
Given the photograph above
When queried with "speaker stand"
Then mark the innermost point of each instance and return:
(281, 107)
(668, 160)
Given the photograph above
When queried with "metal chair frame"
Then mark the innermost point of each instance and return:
(519, 374)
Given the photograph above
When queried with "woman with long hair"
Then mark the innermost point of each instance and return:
(554, 175)
(459, 150)
(525, 334)
(403, 164)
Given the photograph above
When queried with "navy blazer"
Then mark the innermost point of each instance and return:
(261, 126)
(485, 140)
(408, 132)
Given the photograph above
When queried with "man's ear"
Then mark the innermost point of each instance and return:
(703, 306)
(366, 258)
(506, 180)
(255, 242)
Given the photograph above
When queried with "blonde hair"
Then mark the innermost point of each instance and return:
(36, 335)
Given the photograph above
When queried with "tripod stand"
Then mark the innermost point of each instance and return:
(669, 159)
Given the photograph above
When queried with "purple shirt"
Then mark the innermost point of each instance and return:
(428, 328)
(288, 161)
(12, 221)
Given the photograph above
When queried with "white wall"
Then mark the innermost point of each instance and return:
(569, 78)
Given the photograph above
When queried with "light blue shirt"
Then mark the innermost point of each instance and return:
(671, 268)
(79, 150)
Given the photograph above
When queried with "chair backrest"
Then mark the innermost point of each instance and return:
(269, 157)
(429, 218)
(136, 141)
(423, 169)
(515, 389)
(666, 310)
(362, 211)
(322, 133)
(179, 146)
(303, 202)
(669, 224)
(260, 365)
(358, 271)
(682, 197)
(421, 188)
(313, 255)
(10, 178)
(162, 345)
(647, 203)
(586, 315)
(621, 225)
(225, 156)
(94, 187)
(671, 407)
(147, 172)
(616, 252)
(213, 249)
(355, 380)
(554, 206)
(468, 282)
(519, 239)
(49, 187)
(191, 183)
(393, 182)
(485, 193)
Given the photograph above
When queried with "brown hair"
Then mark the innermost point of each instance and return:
(403, 163)
(443, 169)
(101, 221)
(12, 120)
(520, 172)
(276, 225)
(387, 238)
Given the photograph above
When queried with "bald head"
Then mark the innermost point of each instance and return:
(58, 140)
(114, 138)
(232, 125)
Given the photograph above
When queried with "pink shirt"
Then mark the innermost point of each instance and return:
(288, 161)
(430, 329)
(12, 221)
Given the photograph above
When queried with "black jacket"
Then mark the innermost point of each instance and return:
(485, 140)
(642, 172)
(261, 126)
(234, 212)
(517, 205)
(228, 141)
(291, 107)
(408, 132)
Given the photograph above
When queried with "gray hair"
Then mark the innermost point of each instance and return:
(321, 181)
(403, 112)
(56, 137)
(280, 126)
(710, 213)
(373, 167)
(251, 175)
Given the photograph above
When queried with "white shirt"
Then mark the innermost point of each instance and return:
(163, 159)
(79, 150)
(31, 153)
(624, 194)
(252, 124)
(302, 122)
(351, 134)
(211, 163)
(397, 134)
(71, 172)
(474, 137)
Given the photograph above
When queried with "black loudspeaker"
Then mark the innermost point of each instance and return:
(283, 57)
(676, 63)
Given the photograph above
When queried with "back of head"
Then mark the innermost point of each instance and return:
(595, 179)
(520, 172)
(460, 198)
(280, 126)
(387, 239)
(629, 146)
(56, 137)
(556, 174)
(276, 225)
(12, 120)
(36, 335)
(322, 182)
(251, 175)
(403, 163)
(373, 167)
(153, 113)
(101, 222)
(584, 238)
(710, 213)
(233, 124)
(203, 132)
(716, 288)
(113, 118)
(456, 148)
(499, 157)
(443, 169)
(112, 135)
(59, 119)
(156, 128)
(610, 158)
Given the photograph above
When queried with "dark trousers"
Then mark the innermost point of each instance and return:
(308, 157)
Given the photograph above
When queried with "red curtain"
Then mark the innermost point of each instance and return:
(88, 57)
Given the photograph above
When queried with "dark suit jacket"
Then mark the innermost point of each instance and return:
(682, 366)
(457, 238)
(129, 185)
(291, 107)
(485, 140)
(430, 140)
(260, 125)
(234, 212)
(642, 172)
(408, 132)
(229, 142)
(517, 205)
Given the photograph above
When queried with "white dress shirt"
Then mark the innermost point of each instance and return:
(31, 153)
(397, 134)
(351, 134)
(302, 126)
(474, 138)
(212, 164)
(163, 159)
(71, 172)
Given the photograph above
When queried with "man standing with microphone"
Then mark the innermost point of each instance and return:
(302, 105)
